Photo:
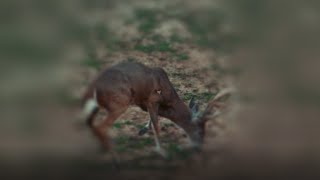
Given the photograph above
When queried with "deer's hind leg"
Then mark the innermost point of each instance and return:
(100, 130)
(115, 107)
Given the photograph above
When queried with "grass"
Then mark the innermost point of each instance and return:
(102, 32)
(204, 96)
(120, 140)
(175, 150)
(175, 38)
(205, 27)
(187, 96)
(141, 143)
(145, 48)
(117, 125)
(124, 143)
(127, 122)
(161, 46)
(121, 148)
(147, 18)
(92, 63)
(168, 125)
(181, 57)
(121, 143)
(103, 35)
(139, 126)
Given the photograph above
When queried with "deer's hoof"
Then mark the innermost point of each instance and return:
(143, 131)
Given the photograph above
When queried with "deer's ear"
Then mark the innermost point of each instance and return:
(192, 103)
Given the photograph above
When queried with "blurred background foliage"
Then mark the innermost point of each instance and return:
(271, 48)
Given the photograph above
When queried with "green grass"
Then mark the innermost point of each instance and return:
(127, 122)
(206, 29)
(102, 32)
(92, 63)
(164, 47)
(160, 46)
(145, 48)
(181, 57)
(175, 38)
(168, 125)
(124, 143)
(147, 26)
(120, 140)
(103, 35)
(147, 19)
(187, 96)
(157, 38)
(139, 126)
(205, 96)
(141, 143)
(175, 150)
(117, 125)
(121, 148)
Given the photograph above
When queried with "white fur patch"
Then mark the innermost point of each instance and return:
(89, 106)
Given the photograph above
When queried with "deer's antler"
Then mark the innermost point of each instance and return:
(215, 106)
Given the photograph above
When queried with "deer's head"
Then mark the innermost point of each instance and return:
(196, 130)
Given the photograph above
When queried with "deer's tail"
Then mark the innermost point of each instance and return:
(89, 105)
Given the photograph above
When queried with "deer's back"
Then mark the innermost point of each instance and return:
(136, 80)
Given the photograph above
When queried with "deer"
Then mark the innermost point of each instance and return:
(132, 83)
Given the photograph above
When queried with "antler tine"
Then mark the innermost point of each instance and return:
(223, 93)
(214, 103)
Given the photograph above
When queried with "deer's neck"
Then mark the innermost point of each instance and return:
(182, 113)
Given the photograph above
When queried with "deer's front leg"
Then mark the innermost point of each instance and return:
(145, 129)
(153, 111)
(164, 112)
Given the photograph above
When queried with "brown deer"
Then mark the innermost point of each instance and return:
(130, 83)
